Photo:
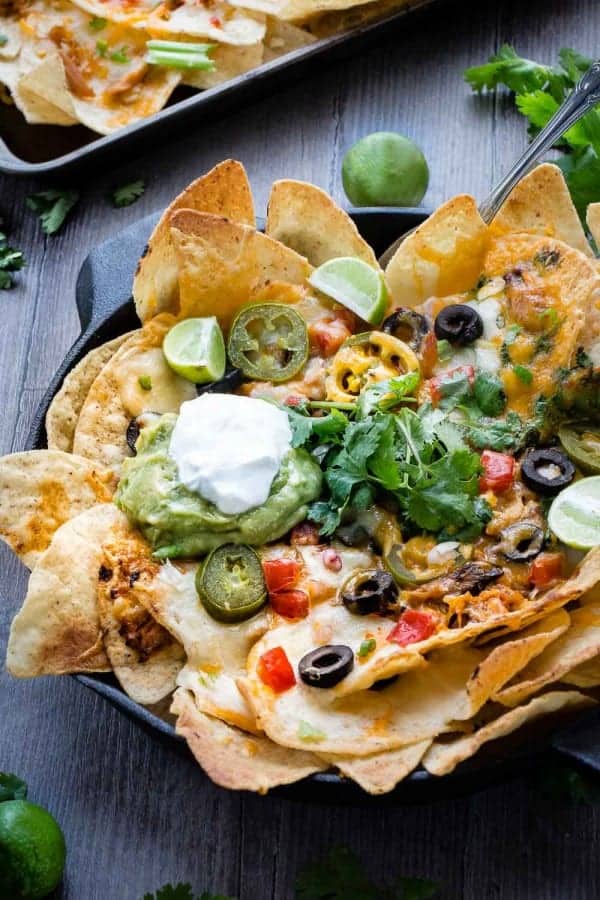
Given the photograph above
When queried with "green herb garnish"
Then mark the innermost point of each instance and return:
(180, 55)
(523, 374)
(128, 193)
(145, 382)
(102, 48)
(97, 24)
(367, 647)
(11, 260)
(52, 207)
(11, 787)
(120, 56)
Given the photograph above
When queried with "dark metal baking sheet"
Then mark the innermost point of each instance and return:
(53, 150)
(106, 310)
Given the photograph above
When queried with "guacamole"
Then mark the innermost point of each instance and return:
(179, 522)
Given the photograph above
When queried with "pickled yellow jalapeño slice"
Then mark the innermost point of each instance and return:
(231, 583)
(195, 349)
(355, 285)
(574, 516)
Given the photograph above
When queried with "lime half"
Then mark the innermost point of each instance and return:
(354, 284)
(574, 516)
(32, 851)
(385, 169)
(195, 349)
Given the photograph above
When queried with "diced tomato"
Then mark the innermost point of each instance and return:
(498, 471)
(436, 384)
(291, 604)
(293, 400)
(305, 534)
(545, 569)
(275, 671)
(328, 335)
(215, 22)
(411, 627)
(429, 354)
(280, 573)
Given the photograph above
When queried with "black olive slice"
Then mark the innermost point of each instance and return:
(459, 324)
(135, 426)
(521, 542)
(372, 591)
(231, 381)
(326, 666)
(547, 471)
(408, 326)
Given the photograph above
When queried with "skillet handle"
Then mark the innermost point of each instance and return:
(105, 278)
(579, 742)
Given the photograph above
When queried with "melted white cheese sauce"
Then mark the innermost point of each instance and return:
(229, 449)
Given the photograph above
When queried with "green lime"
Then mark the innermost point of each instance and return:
(574, 516)
(32, 851)
(385, 169)
(195, 349)
(354, 284)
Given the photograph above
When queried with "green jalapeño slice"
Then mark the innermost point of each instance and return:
(581, 440)
(268, 342)
(231, 583)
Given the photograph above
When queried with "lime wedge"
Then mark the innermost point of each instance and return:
(195, 349)
(354, 284)
(574, 516)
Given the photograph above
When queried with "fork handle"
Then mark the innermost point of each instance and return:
(584, 96)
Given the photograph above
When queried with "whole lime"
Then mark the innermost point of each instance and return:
(32, 851)
(385, 169)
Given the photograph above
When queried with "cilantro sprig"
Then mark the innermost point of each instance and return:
(11, 260)
(539, 91)
(128, 193)
(52, 207)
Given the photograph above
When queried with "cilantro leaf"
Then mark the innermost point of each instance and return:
(488, 393)
(11, 260)
(385, 395)
(518, 74)
(11, 787)
(128, 193)
(52, 207)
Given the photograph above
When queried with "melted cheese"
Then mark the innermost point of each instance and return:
(168, 390)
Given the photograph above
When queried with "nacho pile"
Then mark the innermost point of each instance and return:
(109, 63)
(396, 597)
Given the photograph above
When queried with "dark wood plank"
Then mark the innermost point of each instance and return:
(136, 812)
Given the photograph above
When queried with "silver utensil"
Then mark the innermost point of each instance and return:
(584, 96)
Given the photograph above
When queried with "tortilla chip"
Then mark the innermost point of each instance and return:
(330, 23)
(305, 218)
(380, 773)
(295, 10)
(143, 655)
(283, 37)
(42, 489)
(541, 204)
(18, 60)
(444, 255)
(235, 760)
(63, 412)
(224, 191)
(116, 395)
(230, 62)
(442, 758)
(216, 652)
(592, 218)
(580, 643)
(224, 265)
(585, 675)
(58, 629)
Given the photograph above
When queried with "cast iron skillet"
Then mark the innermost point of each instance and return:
(106, 310)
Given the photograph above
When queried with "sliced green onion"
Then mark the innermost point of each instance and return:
(180, 55)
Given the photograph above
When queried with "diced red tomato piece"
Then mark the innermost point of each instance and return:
(275, 671)
(498, 471)
(280, 573)
(291, 604)
(293, 400)
(328, 335)
(436, 384)
(545, 569)
(215, 22)
(305, 534)
(429, 354)
(411, 627)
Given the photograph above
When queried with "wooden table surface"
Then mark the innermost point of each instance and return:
(136, 814)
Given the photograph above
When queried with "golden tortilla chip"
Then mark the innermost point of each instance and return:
(116, 395)
(42, 489)
(143, 655)
(444, 255)
(283, 37)
(224, 191)
(235, 760)
(442, 758)
(330, 23)
(230, 62)
(63, 412)
(585, 675)
(58, 629)
(295, 10)
(224, 265)
(380, 773)
(305, 218)
(580, 643)
(541, 204)
(592, 219)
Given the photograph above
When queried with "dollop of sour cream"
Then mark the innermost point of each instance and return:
(229, 449)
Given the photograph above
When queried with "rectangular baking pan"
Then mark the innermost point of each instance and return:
(54, 150)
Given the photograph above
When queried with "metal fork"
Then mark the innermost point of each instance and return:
(584, 96)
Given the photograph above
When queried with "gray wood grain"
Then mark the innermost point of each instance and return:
(137, 813)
